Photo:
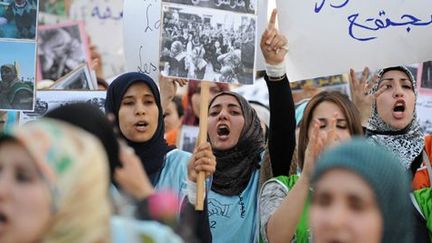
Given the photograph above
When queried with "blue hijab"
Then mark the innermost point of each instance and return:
(152, 152)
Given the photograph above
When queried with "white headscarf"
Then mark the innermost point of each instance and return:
(406, 143)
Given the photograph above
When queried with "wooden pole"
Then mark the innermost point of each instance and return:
(202, 138)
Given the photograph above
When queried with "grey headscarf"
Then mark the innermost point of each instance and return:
(407, 143)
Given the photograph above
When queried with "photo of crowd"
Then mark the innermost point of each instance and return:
(210, 45)
(240, 6)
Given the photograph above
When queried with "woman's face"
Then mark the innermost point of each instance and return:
(344, 210)
(24, 196)
(225, 122)
(138, 114)
(396, 104)
(196, 97)
(171, 118)
(324, 113)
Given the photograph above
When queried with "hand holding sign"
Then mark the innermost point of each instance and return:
(273, 44)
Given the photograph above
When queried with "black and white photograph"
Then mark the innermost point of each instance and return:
(61, 49)
(188, 138)
(17, 69)
(78, 79)
(424, 107)
(425, 77)
(206, 44)
(240, 6)
(50, 99)
(18, 19)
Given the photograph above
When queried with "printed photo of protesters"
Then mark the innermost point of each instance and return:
(61, 49)
(18, 19)
(17, 69)
(206, 44)
(240, 6)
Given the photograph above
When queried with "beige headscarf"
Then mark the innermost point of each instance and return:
(75, 167)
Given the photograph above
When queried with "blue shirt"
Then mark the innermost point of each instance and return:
(235, 218)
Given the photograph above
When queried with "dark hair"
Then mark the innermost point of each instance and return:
(179, 106)
(342, 101)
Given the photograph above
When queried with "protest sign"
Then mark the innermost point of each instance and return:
(141, 36)
(50, 99)
(61, 49)
(424, 78)
(78, 79)
(17, 67)
(327, 37)
(103, 21)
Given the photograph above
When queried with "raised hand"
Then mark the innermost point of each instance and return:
(273, 44)
(168, 89)
(314, 148)
(361, 93)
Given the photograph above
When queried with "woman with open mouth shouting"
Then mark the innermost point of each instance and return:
(392, 122)
(134, 100)
(237, 140)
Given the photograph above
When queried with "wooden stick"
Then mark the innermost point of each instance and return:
(202, 138)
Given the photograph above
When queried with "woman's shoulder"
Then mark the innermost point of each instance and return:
(130, 230)
(178, 154)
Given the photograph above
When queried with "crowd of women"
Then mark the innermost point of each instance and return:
(358, 171)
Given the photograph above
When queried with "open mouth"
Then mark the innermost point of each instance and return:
(141, 125)
(398, 109)
(223, 130)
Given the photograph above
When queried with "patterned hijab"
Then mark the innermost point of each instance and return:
(152, 152)
(407, 143)
(74, 165)
(235, 166)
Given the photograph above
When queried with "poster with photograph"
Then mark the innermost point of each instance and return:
(240, 6)
(188, 138)
(207, 44)
(17, 69)
(18, 19)
(61, 49)
(50, 99)
(424, 114)
(424, 78)
(78, 79)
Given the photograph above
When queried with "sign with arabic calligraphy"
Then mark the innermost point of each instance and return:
(104, 23)
(241, 6)
(328, 37)
(141, 35)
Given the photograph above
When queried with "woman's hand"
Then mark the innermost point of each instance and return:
(132, 177)
(273, 44)
(202, 160)
(314, 148)
(168, 89)
(361, 94)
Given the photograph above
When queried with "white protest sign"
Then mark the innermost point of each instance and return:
(141, 30)
(262, 13)
(103, 23)
(328, 37)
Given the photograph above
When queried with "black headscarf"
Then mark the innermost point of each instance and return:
(152, 152)
(90, 118)
(235, 166)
